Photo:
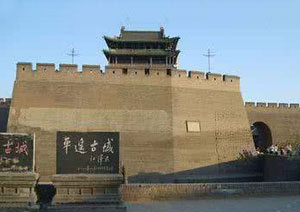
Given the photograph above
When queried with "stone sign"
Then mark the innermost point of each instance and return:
(16, 152)
(87, 152)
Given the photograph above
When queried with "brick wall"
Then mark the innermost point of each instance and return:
(150, 111)
(282, 119)
(4, 111)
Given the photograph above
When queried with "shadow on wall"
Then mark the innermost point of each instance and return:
(233, 171)
(4, 111)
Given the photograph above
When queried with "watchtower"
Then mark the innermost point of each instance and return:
(147, 48)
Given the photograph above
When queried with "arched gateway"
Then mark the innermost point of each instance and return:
(262, 135)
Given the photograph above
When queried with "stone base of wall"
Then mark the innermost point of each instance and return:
(17, 189)
(152, 192)
(88, 208)
(281, 168)
(87, 188)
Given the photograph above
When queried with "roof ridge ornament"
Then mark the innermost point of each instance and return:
(162, 32)
(122, 30)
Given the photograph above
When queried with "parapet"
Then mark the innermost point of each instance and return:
(214, 77)
(50, 67)
(90, 68)
(45, 67)
(230, 78)
(283, 105)
(139, 74)
(196, 74)
(179, 73)
(261, 104)
(271, 105)
(68, 68)
(249, 104)
(292, 105)
(5, 101)
(21, 66)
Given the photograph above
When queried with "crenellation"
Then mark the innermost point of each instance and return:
(90, 68)
(179, 73)
(8, 100)
(23, 68)
(272, 105)
(250, 104)
(196, 75)
(5, 101)
(294, 105)
(283, 105)
(261, 104)
(214, 76)
(69, 72)
(45, 67)
(231, 78)
(69, 68)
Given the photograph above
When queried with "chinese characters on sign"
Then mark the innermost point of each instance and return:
(16, 152)
(87, 152)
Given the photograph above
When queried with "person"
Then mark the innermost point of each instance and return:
(289, 149)
(282, 151)
(259, 151)
(271, 149)
(276, 149)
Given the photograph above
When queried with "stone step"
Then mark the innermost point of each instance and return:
(88, 208)
(256, 177)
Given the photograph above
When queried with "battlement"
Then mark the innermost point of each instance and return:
(141, 74)
(271, 105)
(5, 101)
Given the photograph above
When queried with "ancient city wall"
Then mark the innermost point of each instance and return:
(4, 111)
(181, 122)
(283, 119)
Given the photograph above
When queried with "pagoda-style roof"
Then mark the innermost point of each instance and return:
(146, 37)
(136, 47)
(141, 38)
(140, 52)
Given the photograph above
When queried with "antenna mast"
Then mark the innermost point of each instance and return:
(72, 54)
(208, 55)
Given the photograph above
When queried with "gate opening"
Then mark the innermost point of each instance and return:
(262, 136)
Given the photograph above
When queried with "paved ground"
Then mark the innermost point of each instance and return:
(259, 204)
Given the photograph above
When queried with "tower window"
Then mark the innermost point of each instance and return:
(147, 71)
(169, 72)
(124, 70)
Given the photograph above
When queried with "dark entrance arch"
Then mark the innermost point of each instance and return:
(262, 136)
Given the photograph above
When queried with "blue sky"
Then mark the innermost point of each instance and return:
(258, 40)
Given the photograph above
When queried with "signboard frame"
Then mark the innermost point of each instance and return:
(75, 153)
(33, 151)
